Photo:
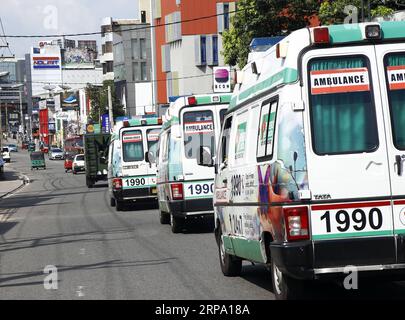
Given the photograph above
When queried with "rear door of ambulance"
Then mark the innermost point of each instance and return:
(391, 65)
(348, 168)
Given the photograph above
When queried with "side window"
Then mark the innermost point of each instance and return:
(266, 130)
(225, 141)
(241, 136)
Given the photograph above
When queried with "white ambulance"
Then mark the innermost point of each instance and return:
(191, 128)
(310, 176)
(131, 176)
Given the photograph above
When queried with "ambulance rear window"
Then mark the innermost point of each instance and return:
(395, 70)
(198, 132)
(132, 145)
(341, 106)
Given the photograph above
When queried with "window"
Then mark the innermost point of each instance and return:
(341, 106)
(142, 44)
(135, 49)
(144, 73)
(266, 130)
(135, 71)
(241, 136)
(395, 70)
(215, 50)
(132, 144)
(225, 141)
(226, 16)
(153, 140)
(198, 132)
(203, 49)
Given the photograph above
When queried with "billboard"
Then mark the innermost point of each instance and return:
(79, 58)
(46, 62)
(69, 101)
(222, 79)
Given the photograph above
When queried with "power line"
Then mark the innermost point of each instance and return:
(129, 29)
(4, 36)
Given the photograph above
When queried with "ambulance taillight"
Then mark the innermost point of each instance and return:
(117, 184)
(297, 223)
(321, 35)
(177, 191)
(192, 101)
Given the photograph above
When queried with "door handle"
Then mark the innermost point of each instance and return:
(399, 163)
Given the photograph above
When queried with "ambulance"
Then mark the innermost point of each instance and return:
(191, 127)
(310, 166)
(131, 174)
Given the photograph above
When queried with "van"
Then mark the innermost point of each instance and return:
(190, 132)
(131, 174)
(310, 167)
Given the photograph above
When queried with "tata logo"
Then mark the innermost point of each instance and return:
(46, 63)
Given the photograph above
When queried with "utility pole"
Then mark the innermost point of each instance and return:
(21, 112)
(110, 109)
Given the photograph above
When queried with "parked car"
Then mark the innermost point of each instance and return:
(13, 147)
(1, 166)
(5, 152)
(78, 164)
(56, 154)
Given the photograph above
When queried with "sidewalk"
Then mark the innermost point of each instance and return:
(10, 182)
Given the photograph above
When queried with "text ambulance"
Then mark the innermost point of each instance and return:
(310, 175)
(189, 137)
(131, 175)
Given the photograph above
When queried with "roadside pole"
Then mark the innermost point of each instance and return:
(1, 127)
(110, 109)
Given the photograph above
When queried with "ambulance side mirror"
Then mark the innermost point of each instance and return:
(204, 157)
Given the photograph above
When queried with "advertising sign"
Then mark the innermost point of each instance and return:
(51, 127)
(69, 101)
(222, 79)
(78, 58)
(42, 105)
(46, 62)
(105, 123)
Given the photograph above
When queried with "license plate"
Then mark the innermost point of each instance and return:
(338, 221)
(154, 191)
(200, 189)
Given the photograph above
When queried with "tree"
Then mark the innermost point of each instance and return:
(263, 18)
(99, 101)
(336, 11)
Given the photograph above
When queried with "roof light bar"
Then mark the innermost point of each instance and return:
(192, 101)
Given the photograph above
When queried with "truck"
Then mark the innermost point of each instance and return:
(96, 157)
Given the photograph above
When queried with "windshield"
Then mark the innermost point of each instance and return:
(395, 70)
(341, 106)
(80, 158)
(132, 145)
(5, 149)
(57, 150)
(198, 132)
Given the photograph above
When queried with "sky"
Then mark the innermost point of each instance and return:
(43, 17)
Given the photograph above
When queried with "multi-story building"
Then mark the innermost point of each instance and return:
(13, 102)
(187, 52)
(128, 62)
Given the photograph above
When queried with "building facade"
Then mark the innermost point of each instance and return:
(187, 52)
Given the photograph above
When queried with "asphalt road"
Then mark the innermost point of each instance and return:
(102, 254)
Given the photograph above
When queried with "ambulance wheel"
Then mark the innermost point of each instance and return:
(112, 202)
(285, 287)
(164, 217)
(176, 224)
(119, 205)
(231, 266)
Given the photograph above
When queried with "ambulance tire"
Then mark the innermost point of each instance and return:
(112, 202)
(176, 224)
(119, 205)
(286, 287)
(231, 266)
(164, 217)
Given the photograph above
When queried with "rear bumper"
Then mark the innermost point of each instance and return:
(192, 208)
(383, 257)
(138, 194)
(78, 168)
